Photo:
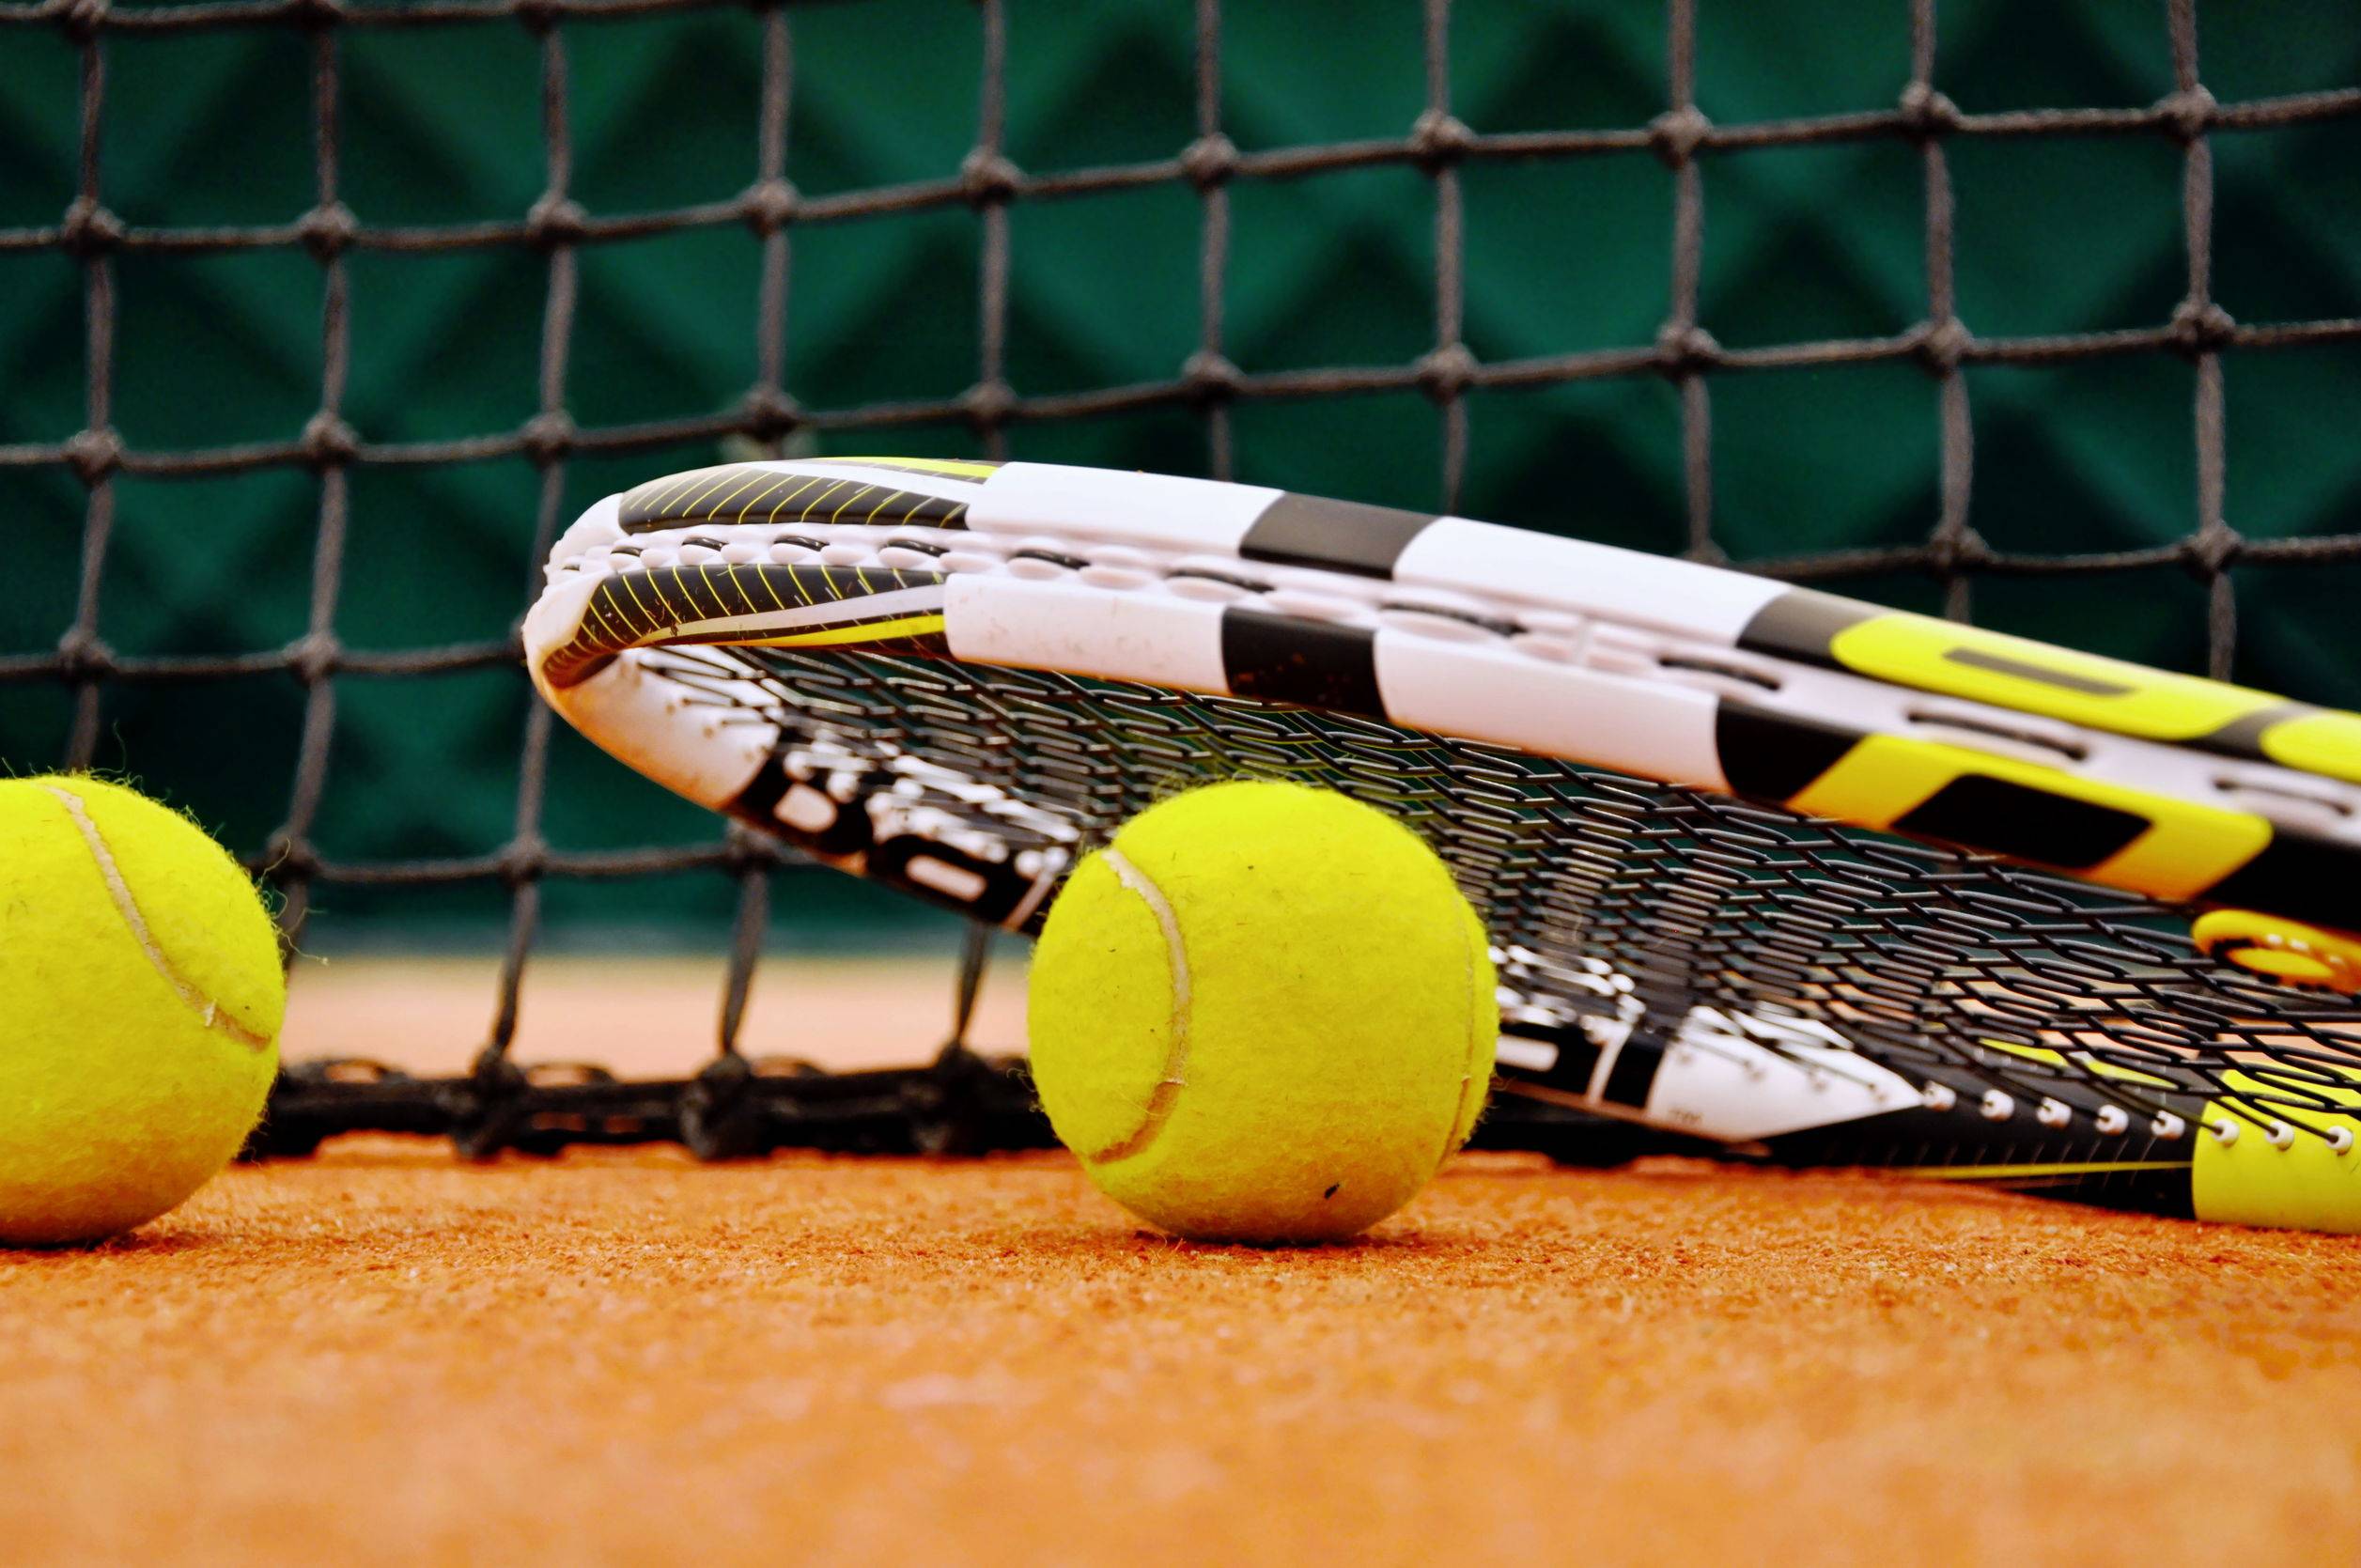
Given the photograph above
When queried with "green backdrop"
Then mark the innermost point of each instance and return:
(439, 126)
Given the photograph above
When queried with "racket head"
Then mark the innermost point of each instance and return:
(1670, 954)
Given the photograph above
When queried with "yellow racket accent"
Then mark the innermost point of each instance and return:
(958, 468)
(2283, 948)
(2184, 849)
(2320, 741)
(2026, 1174)
(2097, 1066)
(2034, 678)
(837, 636)
(2309, 1178)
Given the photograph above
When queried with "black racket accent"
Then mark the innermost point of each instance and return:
(2298, 874)
(1570, 1069)
(2133, 1171)
(984, 888)
(1286, 659)
(747, 494)
(1801, 624)
(806, 812)
(755, 804)
(2003, 818)
(1634, 1072)
(1771, 757)
(864, 817)
(694, 592)
(1341, 535)
(2243, 737)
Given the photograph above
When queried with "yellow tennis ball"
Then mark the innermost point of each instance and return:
(140, 1003)
(1264, 1013)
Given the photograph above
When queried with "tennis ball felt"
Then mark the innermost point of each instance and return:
(1263, 1014)
(140, 1003)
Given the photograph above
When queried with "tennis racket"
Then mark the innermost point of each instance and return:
(1809, 880)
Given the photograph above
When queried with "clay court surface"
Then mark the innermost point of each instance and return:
(385, 1356)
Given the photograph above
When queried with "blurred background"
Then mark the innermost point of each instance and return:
(316, 319)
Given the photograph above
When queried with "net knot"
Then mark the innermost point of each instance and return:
(714, 1120)
(1956, 550)
(988, 405)
(555, 220)
(1927, 113)
(522, 861)
(2186, 116)
(2201, 327)
(2212, 550)
(1686, 349)
(548, 436)
(1941, 346)
(81, 19)
(81, 656)
(94, 454)
(1447, 372)
(290, 859)
(986, 178)
(768, 205)
(313, 657)
(539, 16)
(744, 853)
(1439, 140)
(1210, 160)
(315, 13)
(328, 231)
(328, 440)
(1210, 378)
(769, 413)
(89, 229)
(1675, 136)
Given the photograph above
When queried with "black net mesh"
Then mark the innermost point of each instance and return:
(960, 1101)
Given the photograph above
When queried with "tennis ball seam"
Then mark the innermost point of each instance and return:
(1165, 1097)
(209, 1012)
(1451, 1137)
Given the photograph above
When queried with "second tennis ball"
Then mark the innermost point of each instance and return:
(1263, 1014)
(140, 1003)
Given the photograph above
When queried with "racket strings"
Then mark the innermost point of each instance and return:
(1625, 909)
